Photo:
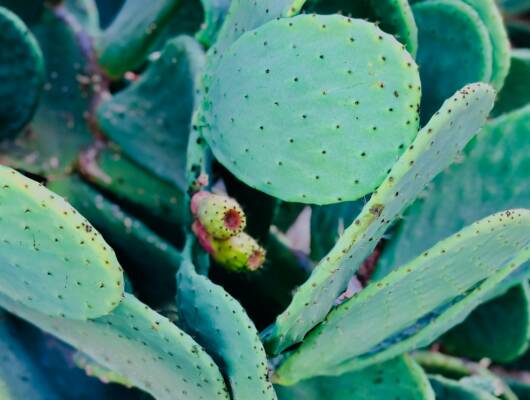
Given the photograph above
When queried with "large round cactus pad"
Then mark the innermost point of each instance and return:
(313, 109)
(21, 73)
(51, 258)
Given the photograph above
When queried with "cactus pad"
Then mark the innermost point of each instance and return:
(449, 389)
(22, 74)
(222, 326)
(52, 259)
(325, 105)
(214, 16)
(514, 93)
(126, 43)
(140, 345)
(435, 147)
(492, 176)
(150, 120)
(400, 378)
(417, 302)
(449, 58)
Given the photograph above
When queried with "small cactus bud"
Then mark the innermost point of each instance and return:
(239, 253)
(221, 216)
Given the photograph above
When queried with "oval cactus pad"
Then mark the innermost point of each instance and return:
(51, 258)
(313, 109)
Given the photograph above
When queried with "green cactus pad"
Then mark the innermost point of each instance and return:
(95, 369)
(319, 100)
(150, 120)
(393, 16)
(22, 74)
(454, 50)
(417, 302)
(515, 93)
(244, 16)
(479, 335)
(448, 389)
(149, 259)
(139, 344)
(222, 326)
(491, 17)
(20, 378)
(435, 147)
(52, 259)
(492, 176)
(59, 128)
(126, 43)
(134, 186)
(400, 378)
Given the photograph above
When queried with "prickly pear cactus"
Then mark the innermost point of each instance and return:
(266, 200)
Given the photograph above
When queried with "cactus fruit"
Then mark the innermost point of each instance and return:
(221, 216)
(139, 131)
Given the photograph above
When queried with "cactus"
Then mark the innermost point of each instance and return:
(273, 199)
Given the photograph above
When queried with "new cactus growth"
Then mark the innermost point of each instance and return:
(264, 200)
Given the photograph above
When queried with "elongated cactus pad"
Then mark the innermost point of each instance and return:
(150, 120)
(500, 44)
(325, 105)
(141, 345)
(417, 302)
(492, 176)
(479, 335)
(52, 259)
(433, 150)
(147, 257)
(129, 183)
(125, 44)
(400, 378)
(222, 326)
(454, 50)
(514, 93)
(59, 128)
(21, 71)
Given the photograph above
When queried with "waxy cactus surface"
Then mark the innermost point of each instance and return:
(264, 200)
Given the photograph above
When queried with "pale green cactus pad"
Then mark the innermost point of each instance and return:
(400, 378)
(140, 345)
(52, 259)
(314, 109)
(125, 44)
(435, 147)
(222, 326)
(21, 71)
(150, 120)
(449, 59)
(417, 302)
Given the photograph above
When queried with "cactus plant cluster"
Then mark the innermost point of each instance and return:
(274, 199)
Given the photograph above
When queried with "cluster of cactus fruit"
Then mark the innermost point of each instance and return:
(273, 199)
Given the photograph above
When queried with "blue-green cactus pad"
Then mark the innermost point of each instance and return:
(222, 326)
(454, 50)
(21, 73)
(141, 345)
(214, 15)
(400, 378)
(433, 150)
(515, 93)
(126, 43)
(448, 389)
(59, 127)
(151, 119)
(479, 335)
(313, 109)
(52, 259)
(417, 302)
(491, 17)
